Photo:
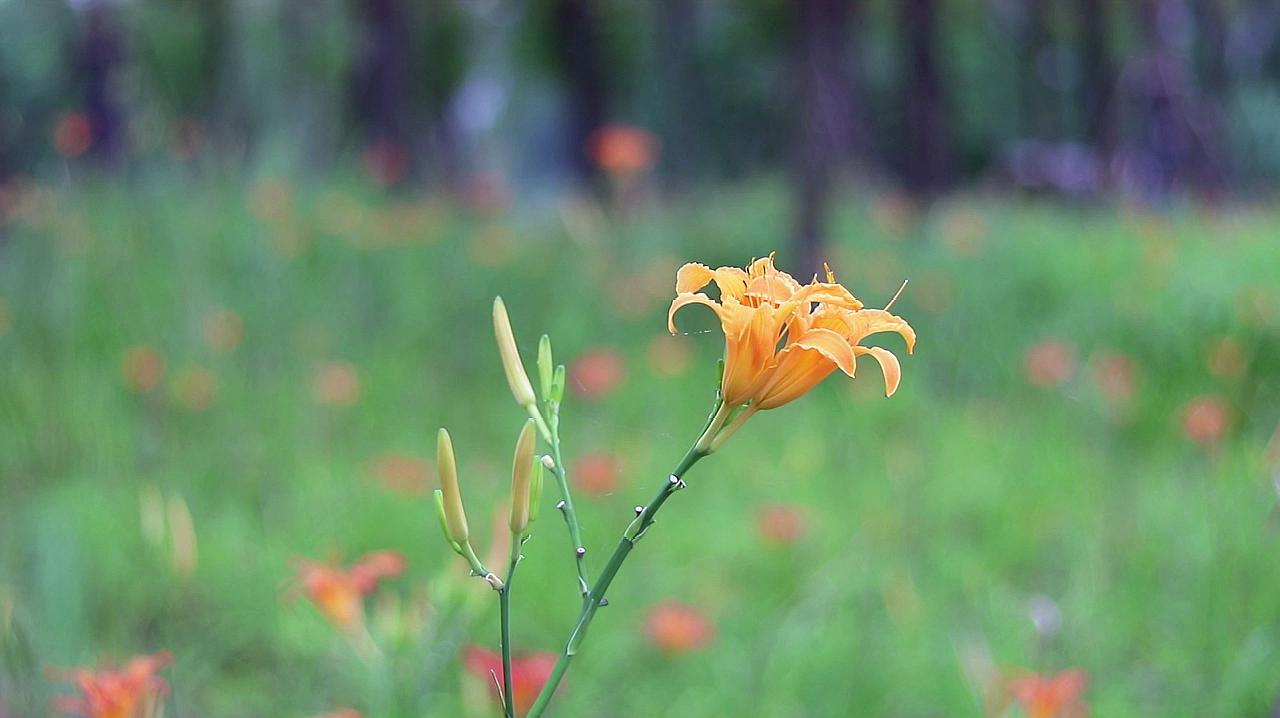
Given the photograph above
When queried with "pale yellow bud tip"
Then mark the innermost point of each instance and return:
(521, 473)
(451, 499)
(521, 389)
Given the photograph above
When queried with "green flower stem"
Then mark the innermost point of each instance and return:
(634, 531)
(504, 616)
(551, 434)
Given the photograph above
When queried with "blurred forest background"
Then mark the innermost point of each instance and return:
(1143, 100)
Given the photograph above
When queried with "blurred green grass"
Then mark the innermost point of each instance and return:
(933, 520)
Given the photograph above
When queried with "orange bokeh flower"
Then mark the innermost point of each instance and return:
(336, 383)
(402, 473)
(674, 628)
(668, 356)
(73, 134)
(134, 691)
(142, 368)
(339, 592)
(1051, 696)
(1050, 363)
(596, 373)
(195, 388)
(596, 474)
(782, 338)
(1116, 376)
(623, 151)
(223, 330)
(343, 713)
(529, 673)
(781, 524)
(1205, 420)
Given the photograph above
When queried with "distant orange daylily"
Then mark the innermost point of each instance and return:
(133, 691)
(783, 338)
(339, 593)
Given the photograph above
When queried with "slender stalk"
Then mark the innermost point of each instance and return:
(504, 617)
(551, 434)
(634, 531)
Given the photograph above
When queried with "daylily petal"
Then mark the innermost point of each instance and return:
(731, 281)
(831, 345)
(874, 321)
(692, 277)
(888, 365)
(798, 371)
(683, 300)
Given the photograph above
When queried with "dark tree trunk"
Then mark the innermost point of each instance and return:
(677, 29)
(1037, 112)
(928, 149)
(381, 90)
(1098, 81)
(828, 131)
(577, 43)
(98, 56)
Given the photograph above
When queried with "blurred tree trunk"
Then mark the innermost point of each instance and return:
(381, 86)
(98, 56)
(927, 163)
(578, 53)
(829, 128)
(1097, 81)
(677, 32)
(1037, 113)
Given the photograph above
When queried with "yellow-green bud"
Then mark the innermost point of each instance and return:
(518, 380)
(455, 519)
(535, 491)
(546, 368)
(521, 477)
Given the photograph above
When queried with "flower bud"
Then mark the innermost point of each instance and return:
(521, 477)
(535, 491)
(521, 389)
(557, 385)
(455, 519)
(546, 368)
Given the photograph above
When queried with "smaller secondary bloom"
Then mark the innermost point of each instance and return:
(401, 473)
(596, 373)
(1050, 363)
(781, 524)
(142, 368)
(596, 474)
(1051, 696)
(674, 628)
(73, 134)
(339, 592)
(1205, 420)
(336, 383)
(133, 691)
(623, 151)
(529, 673)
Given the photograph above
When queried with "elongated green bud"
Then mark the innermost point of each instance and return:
(535, 491)
(455, 519)
(557, 385)
(517, 379)
(521, 478)
(444, 523)
(545, 367)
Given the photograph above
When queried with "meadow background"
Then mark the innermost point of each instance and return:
(222, 352)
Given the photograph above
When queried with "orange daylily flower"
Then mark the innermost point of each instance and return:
(783, 338)
(529, 672)
(1051, 696)
(339, 593)
(133, 691)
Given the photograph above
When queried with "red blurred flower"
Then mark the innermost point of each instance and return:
(596, 474)
(674, 628)
(1050, 363)
(1205, 420)
(142, 368)
(343, 713)
(596, 373)
(781, 524)
(529, 673)
(339, 593)
(386, 162)
(73, 134)
(133, 691)
(336, 383)
(622, 150)
(402, 473)
(1051, 696)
